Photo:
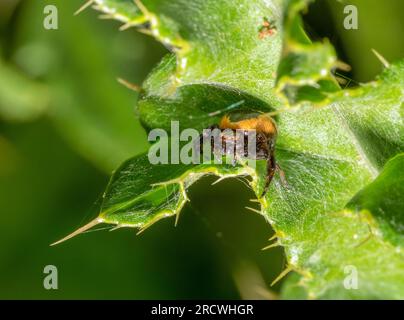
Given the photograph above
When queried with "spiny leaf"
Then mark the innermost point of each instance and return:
(304, 72)
(375, 252)
(328, 154)
(139, 194)
(122, 10)
(217, 42)
(374, 114)
(383, 200)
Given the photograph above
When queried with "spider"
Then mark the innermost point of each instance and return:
(267, 29)
(265, 132)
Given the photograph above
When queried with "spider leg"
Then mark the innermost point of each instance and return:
(265, 150)
(235, 150)
(198, 143)
(227, 146)
(271, 169)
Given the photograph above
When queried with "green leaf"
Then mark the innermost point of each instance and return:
(331, 155)
(122, 10)
(374, 114)
(358, 237)
(217, 42)
(383, 200)
(194, 106)
(304, 72)
(140, 194)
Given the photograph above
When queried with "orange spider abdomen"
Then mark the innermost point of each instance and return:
(262, 123)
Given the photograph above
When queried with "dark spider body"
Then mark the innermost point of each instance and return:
(265, 132)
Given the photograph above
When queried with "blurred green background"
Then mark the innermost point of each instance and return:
(66, 123)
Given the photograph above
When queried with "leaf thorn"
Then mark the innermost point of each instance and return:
(125, 26)
(382, 59)
(273, 245)
(105, 16)
(177, 218)
(282, 275)
(141, 7)
(219, 180)
(341, 65)
(275, 235)
(118, 226)
(129, 85)
(79, 231)
(84, 7)
(150, 223)
(254, 210)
